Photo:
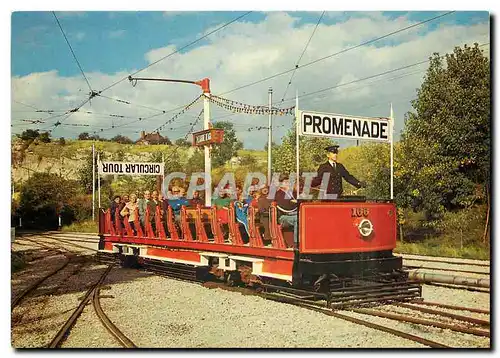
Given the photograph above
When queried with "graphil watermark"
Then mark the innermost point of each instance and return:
(254, 182)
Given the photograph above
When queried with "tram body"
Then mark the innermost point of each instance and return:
(338, 240)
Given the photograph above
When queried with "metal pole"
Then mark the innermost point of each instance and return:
(270, 137)
(392, 152)
(208, 164)
(297, 127)
(98, 182)
(93, 181)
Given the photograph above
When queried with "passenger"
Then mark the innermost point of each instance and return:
(241, 213)
(152, 204)
(287, 207)
(142, 205)
(115, 204)
(129, 209)
(197, 199)
(176, 202)
(123, 202)
(264, 204)
(223, 200)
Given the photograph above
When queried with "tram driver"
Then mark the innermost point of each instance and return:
(337, 171)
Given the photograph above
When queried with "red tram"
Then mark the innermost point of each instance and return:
(344, 249)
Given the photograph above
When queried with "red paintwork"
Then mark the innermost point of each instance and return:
(108, 246)
(327, 227)
(204, 246)
(281, 267)
(177, 254)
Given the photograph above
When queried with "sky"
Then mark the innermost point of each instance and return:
(111, 45)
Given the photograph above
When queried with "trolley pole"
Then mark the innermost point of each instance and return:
(270, 137)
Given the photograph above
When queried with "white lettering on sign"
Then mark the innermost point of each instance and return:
(203, 137)
(344, 126)
(130, 168)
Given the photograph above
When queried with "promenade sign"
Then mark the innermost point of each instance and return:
(344, 126)
(126, 168)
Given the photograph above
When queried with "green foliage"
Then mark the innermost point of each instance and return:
(121, 139)
(182, 142)
(221, 153)
(29, 134)
(84, 136)
(196, 163)
(44, 137)
(445, 151)
(43, 197)
(85, 172)
(84, 226)
(312, 153)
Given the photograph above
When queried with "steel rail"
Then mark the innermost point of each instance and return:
(446, 262)
(458, 308)
(443, 269)
(37, 283)
(61, 334)
(392, 331)
(480, 322)
(403, 318)
(110, 326)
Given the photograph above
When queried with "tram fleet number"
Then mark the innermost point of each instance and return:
(358, 212)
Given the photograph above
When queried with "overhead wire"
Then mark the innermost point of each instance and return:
(338, 53)
(178, 50)
(73, 52)
(301, 55)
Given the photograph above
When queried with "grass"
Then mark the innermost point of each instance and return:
(84, 226)
(435, 247)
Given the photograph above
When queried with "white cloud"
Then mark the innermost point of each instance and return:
(245, 52)
(116, 34)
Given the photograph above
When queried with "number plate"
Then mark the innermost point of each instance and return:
(359, 212)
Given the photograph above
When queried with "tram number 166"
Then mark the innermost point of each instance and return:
(358, 212)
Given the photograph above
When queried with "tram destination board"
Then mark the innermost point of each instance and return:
(344, 126)
(208, 136)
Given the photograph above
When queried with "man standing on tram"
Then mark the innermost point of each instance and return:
(337, 171)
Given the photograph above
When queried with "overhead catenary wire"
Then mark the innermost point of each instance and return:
(367, 78)
(178, 50)
(73, 52)
(300, 57)
(338, 53)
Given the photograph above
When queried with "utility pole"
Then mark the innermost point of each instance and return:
(270, 137)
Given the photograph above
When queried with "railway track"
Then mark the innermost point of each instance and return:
(93, 295)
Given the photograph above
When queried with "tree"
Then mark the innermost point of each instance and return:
(29, 134)
(196, 163)
(62, 141)
(181, 142)
(121, 139)
(445, 151)
(83, 136)
(312, 153)
(43, 197)
(221, 153)
(84, 173)
(44, 137)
